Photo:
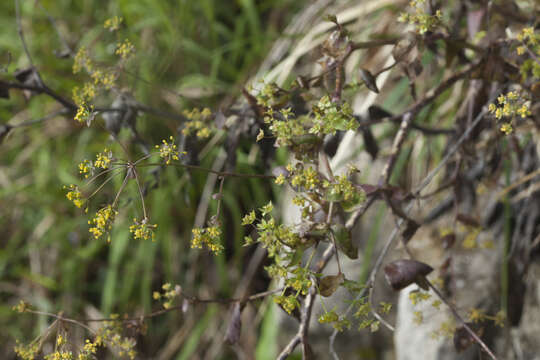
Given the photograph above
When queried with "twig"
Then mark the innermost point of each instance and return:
(219, 173)
(396, 148)
(463, 323)
(21, 34)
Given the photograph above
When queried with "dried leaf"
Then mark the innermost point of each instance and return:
(4, 131)
(235, 325)
(4, 91)
(410, 230)
(329, 284)
(377, 113)
(370, 143)
(370, 80)
(468, 220)
(402, 273)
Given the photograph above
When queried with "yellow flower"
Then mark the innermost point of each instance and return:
(125, 49)
(113, 24)
(143, 230)
(103, 159)
(85, 167)
(74, 195)
(506, 128)
(168, 150)
(476, 315)
(102, 221)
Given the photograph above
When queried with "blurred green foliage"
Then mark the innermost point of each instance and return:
(188, 53)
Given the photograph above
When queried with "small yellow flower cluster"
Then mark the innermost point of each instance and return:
(82, 61)
(423, 22)
(60, 340)
(89, 351)
(103, 159)
(307, 178)
(418, 296)
(476, 315)
(110, 335)
(342, 188)
(198, 123)
(125, 49)
(60, 355)
(113, 24)
(209, 236)
(102, 222)
(446, 330)
(248, 219)
(108, 80)
(509, 106)
(82, 98)
(168, 150)
(27, 352)
(142, 230)
(280, 179)
(85, 167)
(288, 303)
(74, 195)
(21, 307)
(506, 128)
(169, 294)
(527, 35)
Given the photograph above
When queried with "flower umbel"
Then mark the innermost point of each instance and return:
(102, 222)
(103, 159)
(142, 229)
(125, 49)
(74, 195)
(113, 23)
(209, 236)
(168, 150)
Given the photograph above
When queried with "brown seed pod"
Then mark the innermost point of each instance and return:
(402, 273)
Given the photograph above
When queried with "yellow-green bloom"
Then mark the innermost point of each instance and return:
(168, 150)
(142, 230)
(74, 195)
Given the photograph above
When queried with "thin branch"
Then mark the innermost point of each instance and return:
(21, 34)
(463, 323)
(219, 173)
(61, 318)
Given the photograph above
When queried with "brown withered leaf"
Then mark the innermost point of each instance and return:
(468, 220)
(410, 230)
(376, 113)
(402, 273)
(4, 131)
(235, 325)
(370, 143)
(329, 284)
(370, 80)
(4, 91)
